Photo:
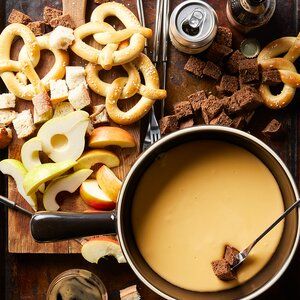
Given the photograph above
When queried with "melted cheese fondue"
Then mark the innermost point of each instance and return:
(195, 199)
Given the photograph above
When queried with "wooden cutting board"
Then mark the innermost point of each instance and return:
(19, 238)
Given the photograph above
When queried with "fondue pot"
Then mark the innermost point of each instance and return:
(46, 227)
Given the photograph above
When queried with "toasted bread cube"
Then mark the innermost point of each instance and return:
(18, 17)
(99, 115)
(42, 104)
(38, 119)
(58, 91)
(62, 109)
(75, 76)
(37, 27)
(51, 13)
(61, 38)
(5, 136)
(23, 124)
(7, 100)
(90, 128)
(7, 116)
(79, 97)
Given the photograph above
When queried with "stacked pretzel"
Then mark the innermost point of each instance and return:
(118, 48)
(268, 59)
(123, 47)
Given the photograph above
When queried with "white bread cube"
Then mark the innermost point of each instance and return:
(23, 124)
(90, 128)
(79, 97)
(7, 100)
(99, 115)
(58, 91)
(38, 119)
(42, 104)
(62, 109)
(75, 76)
(61, 38)
(7, 116)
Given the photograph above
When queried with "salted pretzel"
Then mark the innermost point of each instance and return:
(125, 87)
(288, 72)
(111, 55)
(28, 59)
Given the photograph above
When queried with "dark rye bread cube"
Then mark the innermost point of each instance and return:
(238, 122)
(222, 119)
(211, 107)
(195, 66)
(270, 76)
(217, 52)
(230, 255)
(224, 36)
(37, 27)
(51, 13)
(196, 99)
(249, 72)
(222, 270)
(64, 20)
(183, 110)
(186, 123)
(229, 84)
(168, 124)
(244, 100)
(274, 129)
(212, 70)
(232, 64)
(18, 17)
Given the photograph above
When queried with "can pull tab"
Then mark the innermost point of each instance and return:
(193, 24)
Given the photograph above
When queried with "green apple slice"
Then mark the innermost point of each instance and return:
(43, 173)
(16, 170)
(30, 156)
(101, 156)
(64, 137)
(69, 183)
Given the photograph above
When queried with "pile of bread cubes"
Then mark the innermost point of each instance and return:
(236, 78)
(73, 88)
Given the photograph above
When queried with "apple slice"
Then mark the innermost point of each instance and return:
(16, 170)
(102, 246)
(69, 183)
(93, 196)
(92, 157)
(109, 182)
(30, 156)
(64, 137)
(111, 136)
(45, 172)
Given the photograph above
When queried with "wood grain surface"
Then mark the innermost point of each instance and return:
(27, 276)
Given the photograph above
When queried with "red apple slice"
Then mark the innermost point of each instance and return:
(93, 196)
(102, 246)
(109, 182)
(111, 136)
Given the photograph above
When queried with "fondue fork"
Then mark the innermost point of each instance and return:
(240, 257)
(13, 205)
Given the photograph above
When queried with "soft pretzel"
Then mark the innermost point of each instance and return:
(288, 73)
(111, 55)
(28, 59)
(126, 87)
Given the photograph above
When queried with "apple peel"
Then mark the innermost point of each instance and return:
(97, 156)
(99, 247)
(69, 183)
(43, 173)
(17, 171)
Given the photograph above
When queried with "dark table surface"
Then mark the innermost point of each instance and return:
(27, 276)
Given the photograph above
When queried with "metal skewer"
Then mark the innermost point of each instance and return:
(140, 9)
(244, 254)
(13, 205)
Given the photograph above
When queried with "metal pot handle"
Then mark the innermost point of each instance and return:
(51, 227)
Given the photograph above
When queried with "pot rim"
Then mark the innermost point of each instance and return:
(212, 128)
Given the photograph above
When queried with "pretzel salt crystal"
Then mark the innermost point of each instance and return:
(108, 37)
(288, 73)
(29, 57)
(126, 87)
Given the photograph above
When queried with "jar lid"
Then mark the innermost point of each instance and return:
(250, 48)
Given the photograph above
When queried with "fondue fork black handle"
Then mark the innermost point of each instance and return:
(51, 227)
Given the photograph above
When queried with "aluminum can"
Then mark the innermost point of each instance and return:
(193, 26)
